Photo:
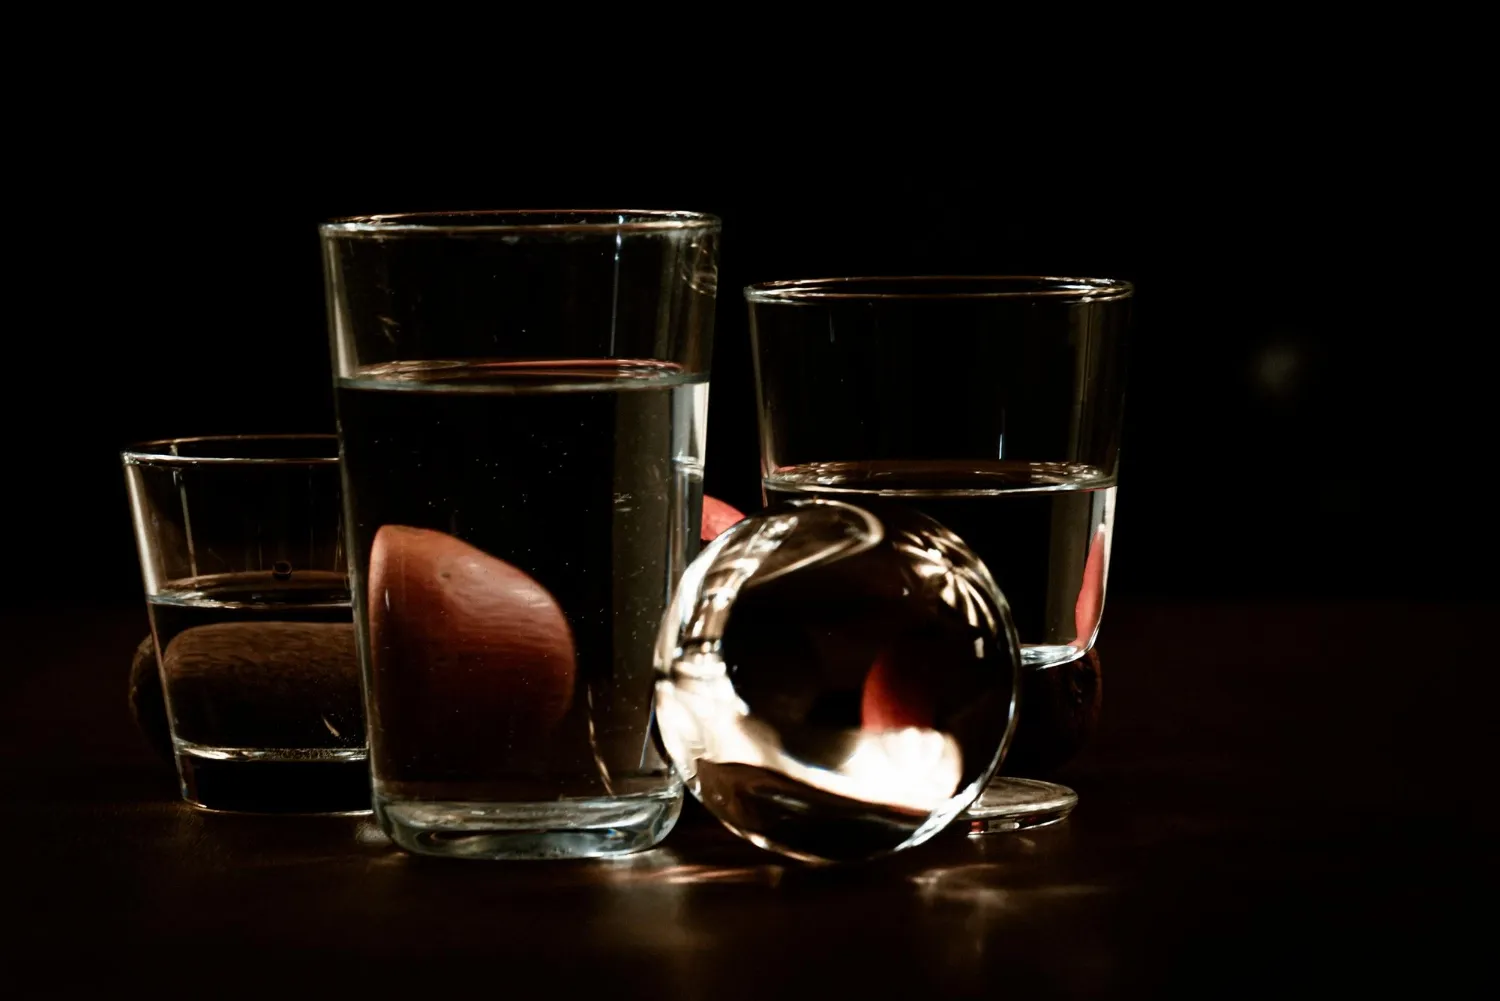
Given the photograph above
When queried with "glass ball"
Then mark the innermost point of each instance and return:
(836, 682)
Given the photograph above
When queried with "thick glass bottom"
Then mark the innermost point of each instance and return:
(277, 780)
(559, 829)
(1011, 804)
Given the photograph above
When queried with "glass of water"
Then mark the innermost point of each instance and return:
(522, 400)
(992, 404)
(242, 553)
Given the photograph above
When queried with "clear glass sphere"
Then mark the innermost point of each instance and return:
(836, 682)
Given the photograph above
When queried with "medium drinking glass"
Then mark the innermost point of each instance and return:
(521, 400)
(992, 404)
(242, 553)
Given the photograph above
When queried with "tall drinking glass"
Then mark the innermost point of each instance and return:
(521, 403)
(993, 404)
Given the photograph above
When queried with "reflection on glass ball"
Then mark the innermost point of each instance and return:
(836, 682)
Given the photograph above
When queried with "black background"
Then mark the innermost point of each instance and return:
(1309, 417)
(1306, 407)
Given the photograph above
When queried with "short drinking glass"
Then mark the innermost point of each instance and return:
(242, 552)
(992, 404)
(521, 402)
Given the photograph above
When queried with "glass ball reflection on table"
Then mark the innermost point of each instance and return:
(836, 682)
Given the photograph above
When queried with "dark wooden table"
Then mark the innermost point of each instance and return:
(1282, 797)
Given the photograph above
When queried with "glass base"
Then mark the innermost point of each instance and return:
(1010, 804)
(560, 829)
(234, 780)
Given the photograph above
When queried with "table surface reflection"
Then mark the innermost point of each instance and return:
(1280, 794)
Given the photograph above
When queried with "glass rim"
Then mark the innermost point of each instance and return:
(519, 221)
(150, 453)
(882, 287)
